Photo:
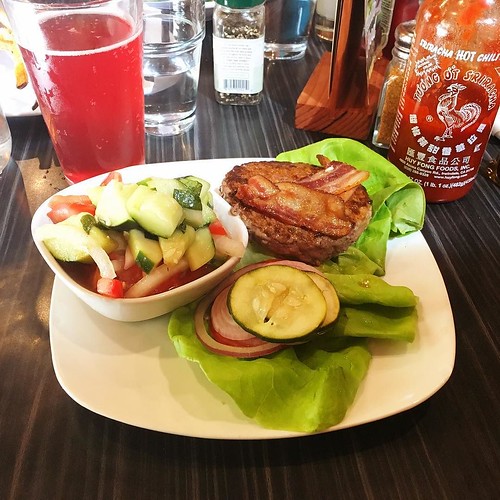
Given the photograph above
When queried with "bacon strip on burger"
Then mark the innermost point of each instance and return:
(298, 210)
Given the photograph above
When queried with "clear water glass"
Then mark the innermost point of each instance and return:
(5, 141)
(173, 36)
(288, 25)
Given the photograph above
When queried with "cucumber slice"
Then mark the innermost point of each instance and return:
(111, 209)
(156, 212)
(185, 191)
(147, 253)
(277, 303)
(193, 217)
(331, 298)
(204, 185)
(166, 186)
(187, 199)
(146, 181)
(207, 213)
(70, 240)
(95, 193)
(202, 249)
(175, 247)
(193, 184)
(199, 218)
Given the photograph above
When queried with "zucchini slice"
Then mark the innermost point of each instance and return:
(277, 303)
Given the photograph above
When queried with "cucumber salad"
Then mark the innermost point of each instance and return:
(132, 240)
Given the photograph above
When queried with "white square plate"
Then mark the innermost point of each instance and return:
(130, 372)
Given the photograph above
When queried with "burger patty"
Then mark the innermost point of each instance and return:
(295, 211)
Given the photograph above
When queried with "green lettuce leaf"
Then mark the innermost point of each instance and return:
(307, 388)
(398, 202)
(355, 289)
(369, 321)
(371, 308)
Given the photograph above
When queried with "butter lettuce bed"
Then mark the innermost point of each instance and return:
(309, 388)
(398, 203)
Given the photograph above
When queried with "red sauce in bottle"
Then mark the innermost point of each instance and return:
(450, 96)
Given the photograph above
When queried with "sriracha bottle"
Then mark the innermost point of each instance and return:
(450, 96)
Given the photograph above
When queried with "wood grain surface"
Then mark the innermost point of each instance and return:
(52, 448)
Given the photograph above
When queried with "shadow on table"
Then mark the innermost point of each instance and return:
(199, 453)
(31, 141)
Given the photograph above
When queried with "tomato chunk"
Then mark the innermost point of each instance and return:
(182, 278)
(69, 199)
(62, 211)
(130, 276)
(110, 287)
(112, 176)
(217, 228)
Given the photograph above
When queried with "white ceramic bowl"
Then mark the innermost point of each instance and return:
(143, 308)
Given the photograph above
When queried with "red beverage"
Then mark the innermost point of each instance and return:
(88, 82)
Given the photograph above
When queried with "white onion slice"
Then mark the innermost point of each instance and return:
(226, 246)
(102, 260)
(129, 258)
(155, 278)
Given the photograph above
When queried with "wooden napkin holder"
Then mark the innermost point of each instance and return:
(341, 96)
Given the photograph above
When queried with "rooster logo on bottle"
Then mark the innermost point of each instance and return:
(452, 117)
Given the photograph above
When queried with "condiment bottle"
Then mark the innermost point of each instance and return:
(404, 10)
(450, 96)
(393, 83)
(238, 51)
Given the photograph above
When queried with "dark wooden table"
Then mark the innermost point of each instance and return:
(52, 448)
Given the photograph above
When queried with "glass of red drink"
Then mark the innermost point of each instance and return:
(84, 59)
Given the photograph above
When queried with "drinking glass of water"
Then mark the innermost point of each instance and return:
(288, 25)
(173, 34)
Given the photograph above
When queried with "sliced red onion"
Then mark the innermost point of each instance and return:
(223, 322)
(223, 349)
(225, 328)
